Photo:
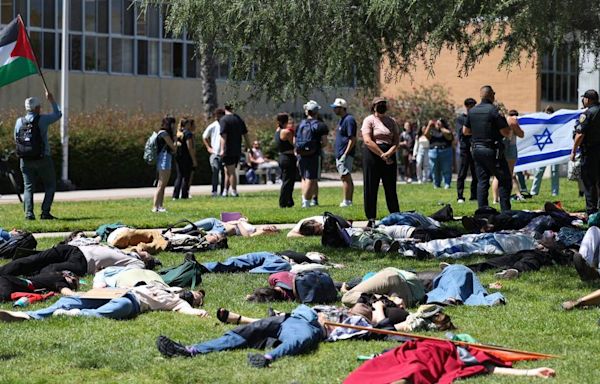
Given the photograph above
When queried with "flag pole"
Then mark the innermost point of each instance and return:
(34, 56)
(420, 337)
(64, 95)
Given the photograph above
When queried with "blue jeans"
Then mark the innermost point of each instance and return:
(210, 225)
(44, 169)
(257, 262)
(230, 340)
(440, 164)
(120, 308)
(539, 175)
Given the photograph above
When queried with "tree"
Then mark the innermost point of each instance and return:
(284, 48)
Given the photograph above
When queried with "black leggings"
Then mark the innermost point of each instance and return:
(56, 259)
(289, 171)
(375, 170)
(183, 179)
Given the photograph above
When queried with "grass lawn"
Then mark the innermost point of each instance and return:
(75, 350)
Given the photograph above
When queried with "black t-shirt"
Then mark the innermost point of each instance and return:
(234, 127)
(464, 141)
(183, 152)
(485, 123)
(589, 125)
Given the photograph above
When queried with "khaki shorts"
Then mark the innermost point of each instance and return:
(344, 167)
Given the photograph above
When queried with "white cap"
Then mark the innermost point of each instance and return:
(339, 103)
(32, 103)
(312, 106)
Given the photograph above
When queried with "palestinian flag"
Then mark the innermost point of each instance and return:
(17, 59)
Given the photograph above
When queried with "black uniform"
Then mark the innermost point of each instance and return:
(466, 161)
(589, 126)
(488, 152)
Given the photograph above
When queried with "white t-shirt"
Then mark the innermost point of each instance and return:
(318, 219)
(214, 132)
(397, 231)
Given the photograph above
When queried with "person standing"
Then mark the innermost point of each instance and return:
(466, 158)
(33, 148)
(284, 141)
(186, 162)
(212, 141)
(311, 136)
(345, 143)
(539, 172)
(233, 128)
(406, 145)
(487, 128)
(587, 137)
(381, 137)
(421, 155)
(165, 148)
(440, 152)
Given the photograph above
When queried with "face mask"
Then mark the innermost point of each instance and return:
(381, 108)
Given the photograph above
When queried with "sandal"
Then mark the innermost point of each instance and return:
(223, 316)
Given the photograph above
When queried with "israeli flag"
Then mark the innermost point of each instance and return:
(548, 138)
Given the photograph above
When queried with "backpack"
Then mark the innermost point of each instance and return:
(29, 143)
(314, 287)
(186, 274)
(151, 148)
(22, 240)
(306, 142)
(334, 234)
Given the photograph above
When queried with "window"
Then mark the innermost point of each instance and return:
(21, 8)
(49, 14)
(223, 70)
(192, 61)
(76, 53)
(102, 54)
(90, 15)
(167, 59)
(117, 16)
(128, 17)
(35, 17)
(75, 15)
(141, 23)
(153, 58)
(6, 11)
(90, 53)
(560, 72)
(127, 56)
(152, 21)
(142, 57)
(178, 59)
(102, 20)
(36, 44)
(49, 57)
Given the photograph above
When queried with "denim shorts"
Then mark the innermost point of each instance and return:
(510, 152)
(344, 167)
(163, 161)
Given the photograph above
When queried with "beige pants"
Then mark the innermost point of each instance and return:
(149, 240)
(385, 282)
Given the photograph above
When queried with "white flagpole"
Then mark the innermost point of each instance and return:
(64, 93)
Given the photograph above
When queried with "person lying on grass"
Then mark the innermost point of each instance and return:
(63, 282)
(240, 227)
(144, 298)
(267, 262)
(589, 300)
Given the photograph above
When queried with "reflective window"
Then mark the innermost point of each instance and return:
(560, 74)
(90, 15)
(102, 54)
(76, 15)
(153, 58)
(35, 17)
(49, 14)
(192, 61)
(102, 19)
(167, 59)
(90, 53)
(49, 51)
(116, 16)
(76, 53)
(178, 59)
(142, 57)
(6, 11)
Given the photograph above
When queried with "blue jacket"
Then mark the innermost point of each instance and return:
(299, 333)
(45, 121)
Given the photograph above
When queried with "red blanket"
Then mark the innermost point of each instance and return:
(421, 362)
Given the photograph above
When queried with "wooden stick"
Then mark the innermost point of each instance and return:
(420, 337)
(34, 56)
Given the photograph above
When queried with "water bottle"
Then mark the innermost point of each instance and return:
(22, 302)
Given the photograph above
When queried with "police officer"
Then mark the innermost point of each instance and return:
(587, 137)
(466, 159)
(487, 127)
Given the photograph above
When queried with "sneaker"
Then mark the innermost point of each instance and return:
(409, 181)
(314, 203)
(214, 194)
(224, 194)
(170, 348)
(67, 312)
(305, 204)
(370, 223)
(394, 246)
(47, 216)
(377, 245)
(234, 194)
(447, 186)
(13, 316)
(346, 203)
(510, 273)
(30, 217)
(585, 271)
(460, 200)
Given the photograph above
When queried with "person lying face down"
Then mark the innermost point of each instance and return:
(145, 298)
(63, 282)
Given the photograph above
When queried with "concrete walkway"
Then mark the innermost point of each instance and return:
(328, 180)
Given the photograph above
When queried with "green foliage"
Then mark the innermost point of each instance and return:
(287, 48)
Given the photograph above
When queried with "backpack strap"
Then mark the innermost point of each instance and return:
(182, 221)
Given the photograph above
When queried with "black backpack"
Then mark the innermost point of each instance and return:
(314, 287)
(29, 140)
(306, 142)
(334, 234)
(22, 240)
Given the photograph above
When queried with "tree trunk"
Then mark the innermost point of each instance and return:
(208, 74)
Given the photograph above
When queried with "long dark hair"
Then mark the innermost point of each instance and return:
(282, 119)
(264, 295)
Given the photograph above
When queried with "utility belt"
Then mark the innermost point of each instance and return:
(497, 146)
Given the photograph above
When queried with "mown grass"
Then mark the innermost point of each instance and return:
(259, 207)
(74, 350)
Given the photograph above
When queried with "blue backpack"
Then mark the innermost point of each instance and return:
(306, 140)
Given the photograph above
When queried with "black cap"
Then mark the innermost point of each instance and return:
(591, 94)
